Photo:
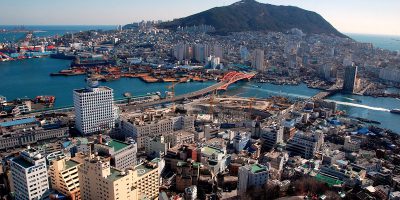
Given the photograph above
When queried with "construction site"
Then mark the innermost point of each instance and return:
(226, 109)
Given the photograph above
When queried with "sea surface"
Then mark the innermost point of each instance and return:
(47, 31)
(382, 41)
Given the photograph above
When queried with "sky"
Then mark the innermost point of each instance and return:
(348, 16)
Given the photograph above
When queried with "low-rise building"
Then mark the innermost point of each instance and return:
(305, 144)
(351, 144)
(254, 175)
(241, 141)
(154, 124)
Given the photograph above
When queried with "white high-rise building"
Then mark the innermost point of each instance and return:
(29, 175)
(94, 108)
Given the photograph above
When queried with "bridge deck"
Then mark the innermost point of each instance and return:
(177, 98)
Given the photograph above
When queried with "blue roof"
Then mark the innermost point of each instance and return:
(335, 122)
(363, 130)
(18, 122)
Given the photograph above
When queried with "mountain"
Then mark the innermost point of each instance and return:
(250, 15)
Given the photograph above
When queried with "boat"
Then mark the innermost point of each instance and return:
(45, 99)
(395, 111)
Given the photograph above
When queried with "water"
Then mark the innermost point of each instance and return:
(46, 31)
(382, 41)
(377, 109)
(31, 77)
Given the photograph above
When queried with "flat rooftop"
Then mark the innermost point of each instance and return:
(85, 90)
(117, 145)
(256, 168)
(70, 164)
(22, 162)
(115, 174)
(210, 150)
(143, 169)
(18, 122)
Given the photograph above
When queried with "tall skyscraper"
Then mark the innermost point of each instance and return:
(93, 108)
(350, 76)
(258, 60)
(244, 53)
(201, 52)
(29, 175)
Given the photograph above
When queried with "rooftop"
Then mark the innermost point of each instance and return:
(114, 174)
(330, 181)
(117, 145)
(18, 122)
(70, 164)
(86, 90)
(142, 169)
(210, 150)
(22, 162)
(256, 168)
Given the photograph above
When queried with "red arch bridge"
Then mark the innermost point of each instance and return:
(228, 79)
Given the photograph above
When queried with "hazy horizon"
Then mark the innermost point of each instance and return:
(355, 16)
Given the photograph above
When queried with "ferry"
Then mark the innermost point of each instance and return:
(395, 111)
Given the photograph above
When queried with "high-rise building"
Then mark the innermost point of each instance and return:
(218, 51)
(64, 177)
(201, 52)
(350, 76)
(328, 72)
(93, 108)
(99, 181)
(147, 179)
(29, 175)
(258, 60)
(254, 175)
(244, 53)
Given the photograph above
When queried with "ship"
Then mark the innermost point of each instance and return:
(45, 99)
(395, 111)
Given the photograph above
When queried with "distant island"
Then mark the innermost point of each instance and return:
(250, 15)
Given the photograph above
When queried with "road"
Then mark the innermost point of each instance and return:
(176, 98)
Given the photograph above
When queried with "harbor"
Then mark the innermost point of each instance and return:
(31, 78)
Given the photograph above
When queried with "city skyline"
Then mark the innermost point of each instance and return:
(341, 14)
